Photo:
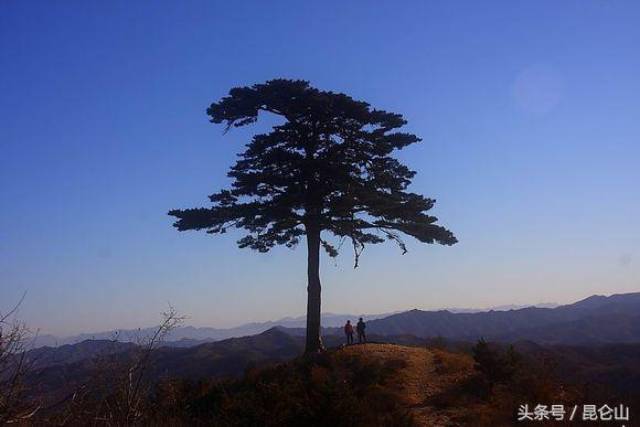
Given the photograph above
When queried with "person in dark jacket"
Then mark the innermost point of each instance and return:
(360, 327)
(348, 331)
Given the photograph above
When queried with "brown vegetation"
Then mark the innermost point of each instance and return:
(371, 384)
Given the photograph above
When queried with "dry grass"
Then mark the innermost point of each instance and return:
(427, 373)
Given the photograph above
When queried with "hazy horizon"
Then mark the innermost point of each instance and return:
(528, 113)
(187, 319)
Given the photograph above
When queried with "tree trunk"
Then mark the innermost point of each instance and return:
(314, 342)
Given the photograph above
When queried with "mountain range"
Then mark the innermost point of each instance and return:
(186, 336)
(579, 336)
(594, 320)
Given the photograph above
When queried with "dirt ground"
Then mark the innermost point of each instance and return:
(428, 372)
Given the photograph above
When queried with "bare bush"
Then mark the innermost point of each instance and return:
(14, 366)
(119, 386)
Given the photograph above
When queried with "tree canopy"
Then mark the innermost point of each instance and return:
(327, 168)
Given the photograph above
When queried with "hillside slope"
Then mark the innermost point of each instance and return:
(421, 378)
(374, 384)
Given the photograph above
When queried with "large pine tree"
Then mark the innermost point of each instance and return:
(327, 168)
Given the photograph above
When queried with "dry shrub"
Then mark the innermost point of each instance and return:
(503, 380)
(326, 389)
(447, 362)
(15, 407)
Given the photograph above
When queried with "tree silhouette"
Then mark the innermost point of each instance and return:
(326, 168)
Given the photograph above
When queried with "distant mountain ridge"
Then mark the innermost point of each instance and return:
(597, 319)
(501, 307)
(185, 336)
(595, 322)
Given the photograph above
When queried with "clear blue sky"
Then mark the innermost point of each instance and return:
(529, 111)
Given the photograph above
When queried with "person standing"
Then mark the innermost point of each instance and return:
(348, 331)
(360, 327)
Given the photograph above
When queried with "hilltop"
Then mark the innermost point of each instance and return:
(414, 371)
(263, 380)
(373, 384)
(423, 374)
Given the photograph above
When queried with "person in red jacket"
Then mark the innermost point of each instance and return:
(348, 331)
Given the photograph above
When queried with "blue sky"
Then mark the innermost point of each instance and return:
(529, 112)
